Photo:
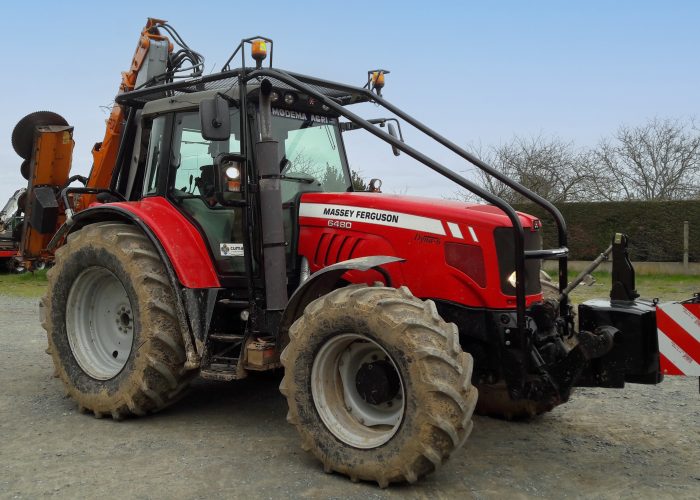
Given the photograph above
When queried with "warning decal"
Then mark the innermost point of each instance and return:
(678, 328)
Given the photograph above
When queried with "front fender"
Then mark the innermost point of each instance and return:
(327, 280)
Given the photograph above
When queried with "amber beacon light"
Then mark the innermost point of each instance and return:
(259, 51)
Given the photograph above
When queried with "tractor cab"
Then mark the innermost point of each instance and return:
(180, 161)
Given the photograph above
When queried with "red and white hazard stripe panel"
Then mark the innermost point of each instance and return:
(678, 326)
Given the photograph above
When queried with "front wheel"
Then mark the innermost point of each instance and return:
(377, 384)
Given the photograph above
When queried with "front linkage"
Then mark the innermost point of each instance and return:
(616, 340)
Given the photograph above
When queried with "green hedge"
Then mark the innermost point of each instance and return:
(655, 228)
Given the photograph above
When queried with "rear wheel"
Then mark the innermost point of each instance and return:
(494, 399)
(109, 313)
(377, 384)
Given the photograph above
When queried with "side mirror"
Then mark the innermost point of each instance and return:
(214, 117)
(382, 122)
(393, 133)
(229, 175)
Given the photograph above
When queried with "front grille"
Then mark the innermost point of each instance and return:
(505, 249)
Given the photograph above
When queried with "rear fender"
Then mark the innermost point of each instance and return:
(178, 242)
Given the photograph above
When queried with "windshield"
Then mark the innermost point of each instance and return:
(310, 151)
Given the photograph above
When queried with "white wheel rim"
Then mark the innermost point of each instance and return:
(347, 414)
(99, 323)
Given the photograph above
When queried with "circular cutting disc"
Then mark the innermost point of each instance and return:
(23, 134)
(25, 169)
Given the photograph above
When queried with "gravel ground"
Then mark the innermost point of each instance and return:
(232, 440)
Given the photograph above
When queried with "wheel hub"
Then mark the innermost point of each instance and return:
(99, 323)
(377, 382)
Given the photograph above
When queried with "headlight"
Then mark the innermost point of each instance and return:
(233, 173)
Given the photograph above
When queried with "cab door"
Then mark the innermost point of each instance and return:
(189, 185)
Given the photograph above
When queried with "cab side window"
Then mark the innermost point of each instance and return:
(153, 158)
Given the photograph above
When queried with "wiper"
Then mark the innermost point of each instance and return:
(329, 134)
(305, 180)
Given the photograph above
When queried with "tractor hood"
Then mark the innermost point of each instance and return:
(408, 212)
(459, 252)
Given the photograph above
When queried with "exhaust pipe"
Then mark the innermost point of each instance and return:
(267, 159)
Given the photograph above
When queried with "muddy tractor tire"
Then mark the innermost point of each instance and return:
(377, 384)
(550, 290)
(109, 314)
(494, 400)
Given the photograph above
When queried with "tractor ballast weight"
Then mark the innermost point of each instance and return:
(220, 208)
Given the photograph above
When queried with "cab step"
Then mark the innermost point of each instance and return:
(225, 337)
(222, 373)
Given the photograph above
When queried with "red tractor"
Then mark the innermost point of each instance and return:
(219, 234)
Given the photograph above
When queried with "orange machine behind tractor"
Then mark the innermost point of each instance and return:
(219, 234)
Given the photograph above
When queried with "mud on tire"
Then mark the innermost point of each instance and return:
(435, 373)
(153, 375)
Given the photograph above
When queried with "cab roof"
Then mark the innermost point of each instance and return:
(227, 82)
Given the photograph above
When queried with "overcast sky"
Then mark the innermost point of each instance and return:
(478, 72)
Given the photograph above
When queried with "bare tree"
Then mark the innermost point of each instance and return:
(359, 183)
(656, 161)
(302, 163)
(551, 167)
